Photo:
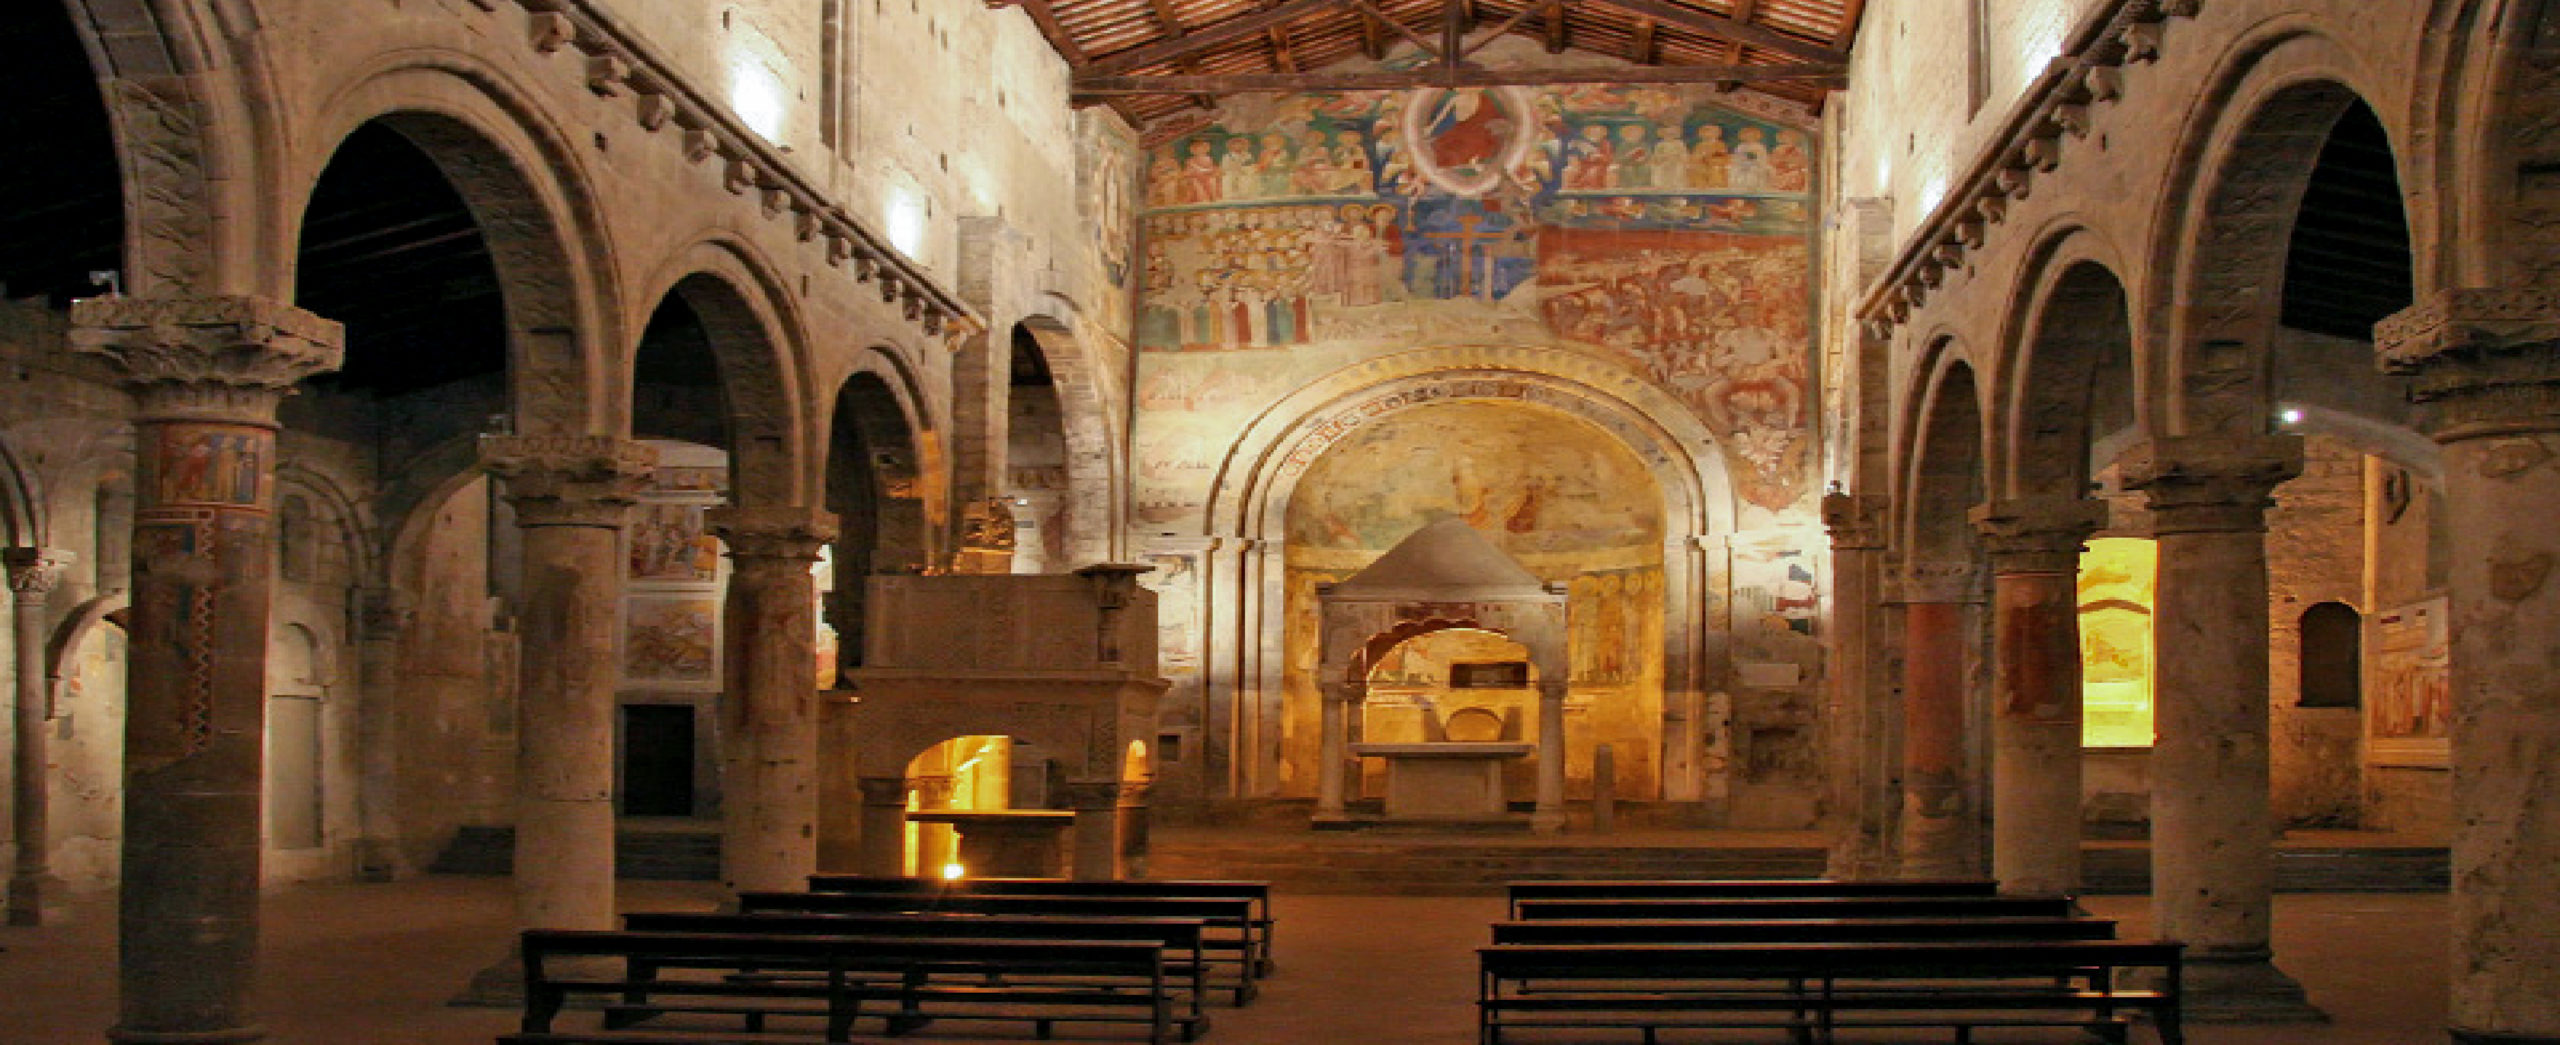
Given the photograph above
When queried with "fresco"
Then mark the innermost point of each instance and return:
(1645, 224)
(671, 639)
(2412, 686)
(2116, 590)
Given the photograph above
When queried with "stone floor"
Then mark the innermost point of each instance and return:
(374, 965)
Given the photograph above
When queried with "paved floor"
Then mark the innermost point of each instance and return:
(375, 964)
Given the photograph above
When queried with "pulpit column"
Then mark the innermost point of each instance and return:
(207, 375)
(769, 699)
(2035, 545)
(1097, 844)
(572, 496)
(884, 826)
(2487, 368)
(1549, 816)
(33, 572)
(1941, 829)
(2212, 824)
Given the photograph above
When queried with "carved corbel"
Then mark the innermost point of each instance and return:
(2142, 42)
(699, 144)
(2015, 182)
(655, 110)
(839, 246)
(550, 31)
(606, 73)
(738, 175)
(1991, 208)
(2042, 154)
(805, 221)
(1968, 233)
(2073, 118)
(2106, 83)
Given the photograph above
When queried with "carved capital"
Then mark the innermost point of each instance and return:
(33, 572)
(2211, 484)
(2486, 362)
(2038, 534)
(1938, 582)
(987, 526)
(207, 359)
(569, 480)
(789, 534)
(1857, 521)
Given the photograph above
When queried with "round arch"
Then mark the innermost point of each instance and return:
(2067, 331)
(758, 342)
(531, 201)
(2221, 237)
(181, 176)
(22, 515)
(1946, 404)
(1095, 460)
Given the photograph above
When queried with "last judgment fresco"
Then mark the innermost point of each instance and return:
(1644, 224)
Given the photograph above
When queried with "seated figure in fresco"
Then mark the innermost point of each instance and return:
(1790, 169)
(1272, 168)
(1750, 160)
(1670, 159)
(1710, 163)
(1587, 161)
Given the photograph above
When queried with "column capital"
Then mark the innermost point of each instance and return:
(1952, 581)
(229, 358)
(2038, 534)
(33, 572)
(1858, 522)
(790, 533)
(2486, 360)
(569, 480)
(2211, 483)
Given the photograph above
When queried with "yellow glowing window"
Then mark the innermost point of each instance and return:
(2116, 575)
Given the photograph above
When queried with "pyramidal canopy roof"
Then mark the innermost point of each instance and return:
(1446, 561)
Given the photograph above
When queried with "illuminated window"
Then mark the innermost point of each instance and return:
(2116, 578)
(756, 95)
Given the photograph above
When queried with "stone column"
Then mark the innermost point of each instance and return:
(1859, 803)
(380, 616)
(884, 825)
(2487, 365)
(207, 375)
(572, 495)
(1548, 818)
(1097, 852)
(769, 698)
(2212, 825)
(33, 572)
(1333, 747)
(2035, 545)
(839, 794)
(1941, 833)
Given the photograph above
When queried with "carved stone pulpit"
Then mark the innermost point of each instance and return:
(1064, 662)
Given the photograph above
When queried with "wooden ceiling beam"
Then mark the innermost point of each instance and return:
(1183, 44)
(1502, 30)
(1373, 38)
(1556, 39)
(1640, 45)
(1724, 28)
(1051, 29)
(1849, 17)
(1743, 11)
(1401, 29)
(1097, 88)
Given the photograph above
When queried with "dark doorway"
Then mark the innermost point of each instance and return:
(657, 760)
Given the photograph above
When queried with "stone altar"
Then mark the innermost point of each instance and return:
(1445, 780)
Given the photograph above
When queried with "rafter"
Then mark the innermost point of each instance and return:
(1743, 11)
(1051, 29)
(1373, 39)
(1724, 28)
(1097, 88)
(1500, 31)
(1401, 29)
(1556, 38)
(1183, 44)
(1640, 45)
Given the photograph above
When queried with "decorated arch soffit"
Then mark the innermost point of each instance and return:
(1655, 229)
(1250, 495)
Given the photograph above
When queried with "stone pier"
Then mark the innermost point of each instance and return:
(1860, 723)
(207, 375)
(2487, 367)
(572, 495)
(33, 574)
(2034, 546)
(1941, 830)
(2212, 825)
(769, 707)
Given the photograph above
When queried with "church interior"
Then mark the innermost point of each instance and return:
(532, 457)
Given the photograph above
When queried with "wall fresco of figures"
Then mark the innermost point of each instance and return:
(1648, 225)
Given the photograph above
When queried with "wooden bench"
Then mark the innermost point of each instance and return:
(1189, 888)
(1179, 936)
(1815, 989)
(1740, 888)
(1800, 930)
(1802, 907)
(920, 979)
(1231, 938)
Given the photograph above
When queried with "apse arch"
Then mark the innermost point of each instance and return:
(758, 342)
(531, 202)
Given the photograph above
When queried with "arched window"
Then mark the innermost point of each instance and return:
(2332, 656)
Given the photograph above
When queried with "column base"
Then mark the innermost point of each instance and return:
(2482, 1037)
(2245, 990)
(226, 1036)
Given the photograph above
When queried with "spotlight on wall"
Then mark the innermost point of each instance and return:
(2289, 416)
(108, 278)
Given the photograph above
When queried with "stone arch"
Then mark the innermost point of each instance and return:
(1249, 495)
(1943, 477)
(181, 175)
(1095, 465)
(758, 342)
(2221, 239)
(2495, 141)
(344, 511)
(22, 517)
(533, 206)
(2068, 333)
